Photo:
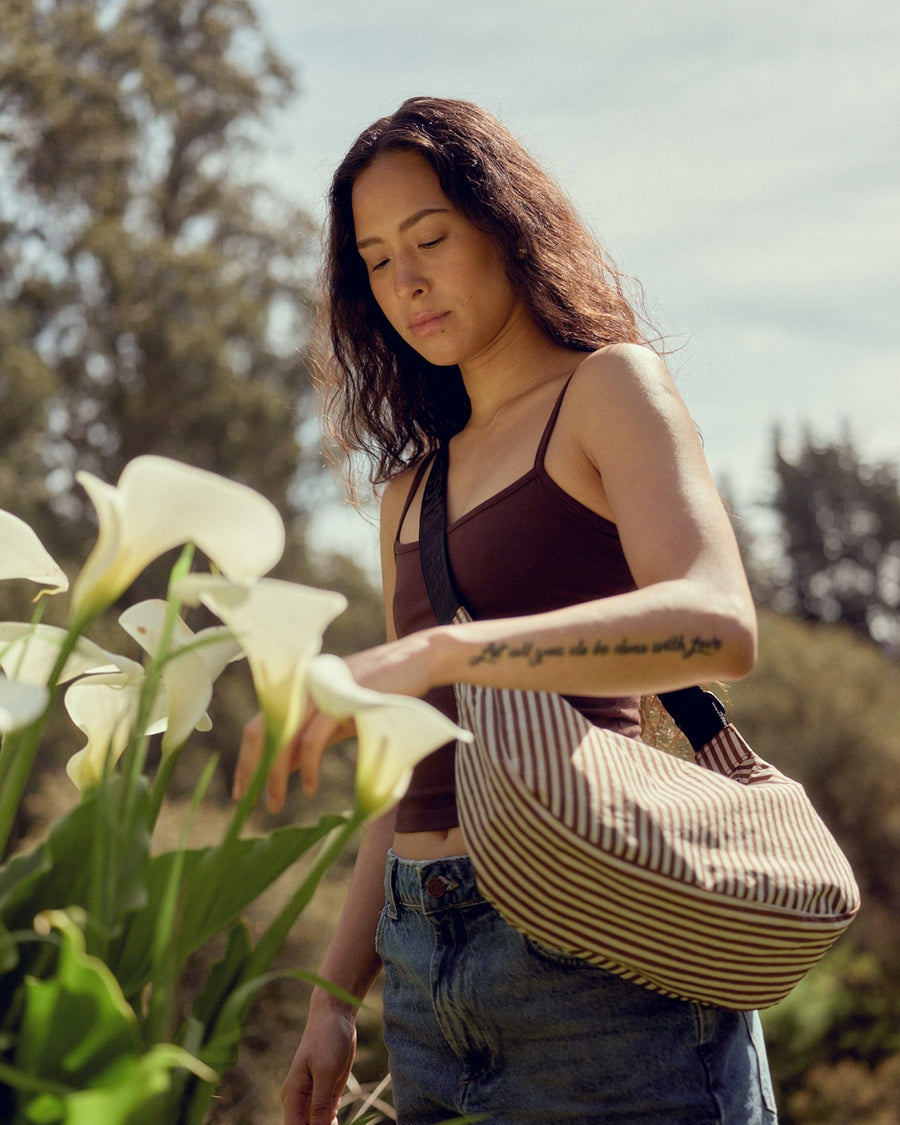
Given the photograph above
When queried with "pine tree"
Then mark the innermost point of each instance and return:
(840, 519)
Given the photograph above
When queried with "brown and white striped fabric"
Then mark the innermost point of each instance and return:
(713, 881)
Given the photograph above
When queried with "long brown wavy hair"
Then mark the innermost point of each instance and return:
(379, 396)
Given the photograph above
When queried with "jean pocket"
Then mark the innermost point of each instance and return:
(383, 920)
(754, 1028)
(556, 958)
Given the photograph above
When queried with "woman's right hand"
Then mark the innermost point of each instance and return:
(315, 1082)
(396, 667)
(316, 730)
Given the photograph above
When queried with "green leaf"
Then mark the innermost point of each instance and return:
(226, 880)
(61, 871)
(57, 871)
(76, 1023)
(134, 1092)
(224, 975)
(79, 1057)
(218, 884)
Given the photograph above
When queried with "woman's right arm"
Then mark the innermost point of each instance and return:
(322, 1062)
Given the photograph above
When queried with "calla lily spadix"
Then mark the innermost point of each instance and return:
(106, 710)
(279, 625)
(187, 677)
(22, 555)
(159, 504)
(394, 732)
(20, 704)
(28, 653)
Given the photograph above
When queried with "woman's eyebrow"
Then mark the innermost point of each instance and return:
(405, 224)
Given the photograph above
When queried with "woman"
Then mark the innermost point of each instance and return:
(466, 304)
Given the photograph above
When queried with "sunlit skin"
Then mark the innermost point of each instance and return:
(439, 280)
(624, 445)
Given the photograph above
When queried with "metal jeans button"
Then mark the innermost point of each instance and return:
(436, 886)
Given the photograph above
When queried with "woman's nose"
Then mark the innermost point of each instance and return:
(408, 281)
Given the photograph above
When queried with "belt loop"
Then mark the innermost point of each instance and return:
(390, 896)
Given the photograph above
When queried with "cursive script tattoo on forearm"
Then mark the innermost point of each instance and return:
(534, 654)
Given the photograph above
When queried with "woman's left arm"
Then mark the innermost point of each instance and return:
(636, 453)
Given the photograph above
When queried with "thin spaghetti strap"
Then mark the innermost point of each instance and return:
(414, 488)
(548, 429)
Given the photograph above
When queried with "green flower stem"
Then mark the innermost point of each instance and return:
(254, 790)
(168, 961)
(160, 787)
(33, 1083)
(135, 755)
(115, 827)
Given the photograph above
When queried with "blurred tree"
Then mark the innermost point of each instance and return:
(840, 519)
(152, 296)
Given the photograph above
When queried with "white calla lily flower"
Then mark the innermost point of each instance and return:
(22, 555)
(394, 732)
(279, 625)
(105, 708)
(188, 675)
(159, 504)
(20, 704)
(28, 653)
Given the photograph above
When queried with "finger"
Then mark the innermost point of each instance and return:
(308, 746)
(323, 1105)
(295, 1095)
(296, 1107)
(303, 753)
(277, 781)
(249, 754)
(304, 1104)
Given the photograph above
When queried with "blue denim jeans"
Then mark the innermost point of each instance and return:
(478, 1019)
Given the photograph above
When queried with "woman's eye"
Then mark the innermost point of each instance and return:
(379, 265)
(433, 242)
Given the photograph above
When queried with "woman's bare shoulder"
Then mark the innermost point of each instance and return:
(394, 494)
(625, 385)
(625, 366)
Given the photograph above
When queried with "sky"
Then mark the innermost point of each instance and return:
(742, 161)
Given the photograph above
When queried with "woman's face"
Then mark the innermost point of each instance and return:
(440, 281)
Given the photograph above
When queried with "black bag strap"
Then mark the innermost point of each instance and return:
(698, 713)
(442, 592)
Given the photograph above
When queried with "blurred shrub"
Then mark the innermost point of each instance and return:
(822, 705)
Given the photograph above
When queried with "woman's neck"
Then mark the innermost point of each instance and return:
(520, 360)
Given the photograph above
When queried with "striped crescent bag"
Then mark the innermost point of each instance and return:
(711, 880)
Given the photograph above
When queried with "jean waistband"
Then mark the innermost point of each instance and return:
(430, 885)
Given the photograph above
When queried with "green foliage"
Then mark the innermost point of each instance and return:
(93, 1029)
(217, 884)
(79, 1056)
(822, 706)
(96, 932)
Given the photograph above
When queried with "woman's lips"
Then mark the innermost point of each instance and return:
(426, 324)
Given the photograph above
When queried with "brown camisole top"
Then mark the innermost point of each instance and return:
(527, 549)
